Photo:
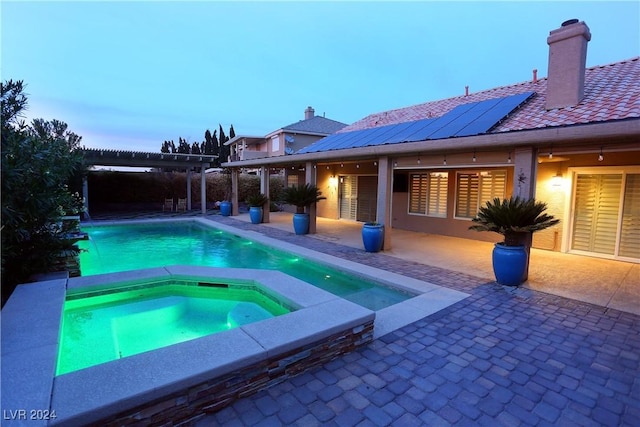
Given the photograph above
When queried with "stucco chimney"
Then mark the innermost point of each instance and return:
(309, 113)
(567, 61)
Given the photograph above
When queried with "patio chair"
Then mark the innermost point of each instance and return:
(182, 205)
(168, 205)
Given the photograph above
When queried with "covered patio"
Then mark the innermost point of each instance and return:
(606, 283)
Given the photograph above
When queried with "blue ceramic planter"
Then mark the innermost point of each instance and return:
(301, 223)
(509, 264)
(255, 213)
(373, 237)
(225, 208)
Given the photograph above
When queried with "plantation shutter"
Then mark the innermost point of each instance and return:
(630, 233)
(348, 197)
(418, 193)
(438, 184)
(493, 184)
(597, 203)
(467, 195)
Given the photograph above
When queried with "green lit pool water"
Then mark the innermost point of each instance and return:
(104, 327)
(116, 248)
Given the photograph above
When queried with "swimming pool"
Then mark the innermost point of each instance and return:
(124, 247)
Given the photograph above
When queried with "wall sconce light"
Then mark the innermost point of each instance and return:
(357, 165)
(600, 156)
(341, 165)
(556, 180)
(474, 156)
(509, 158)
(444, 162)
(419, 161)
(550, 153)
(327, 167)
(375, 163)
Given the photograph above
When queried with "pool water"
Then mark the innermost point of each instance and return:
(136, 246)
(108, 326)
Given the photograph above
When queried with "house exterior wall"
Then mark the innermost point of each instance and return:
(559, 196)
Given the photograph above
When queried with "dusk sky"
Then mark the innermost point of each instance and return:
(129, 75)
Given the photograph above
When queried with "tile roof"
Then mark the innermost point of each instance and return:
(316, 124)
(612, 92)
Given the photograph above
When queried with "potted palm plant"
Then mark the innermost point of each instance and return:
(256, 203)
(516, 219)
(302, 197)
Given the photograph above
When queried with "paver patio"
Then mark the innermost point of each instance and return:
(503, 356)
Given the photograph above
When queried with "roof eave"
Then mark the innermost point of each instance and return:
(556, 136)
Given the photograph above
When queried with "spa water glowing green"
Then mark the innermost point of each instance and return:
(102, 326)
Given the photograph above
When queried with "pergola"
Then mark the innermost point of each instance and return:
(122, 158)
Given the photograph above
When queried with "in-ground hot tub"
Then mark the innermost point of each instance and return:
(177, 382)
(101, 325)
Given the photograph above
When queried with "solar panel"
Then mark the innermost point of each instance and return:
(490, 118)
(463, 117)
(474, 118)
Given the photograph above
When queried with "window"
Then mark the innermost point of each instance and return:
(473, 189)
(606, 218)
(275, 144)
(292, 180)
(428, 194)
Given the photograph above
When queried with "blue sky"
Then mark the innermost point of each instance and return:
(129, 75)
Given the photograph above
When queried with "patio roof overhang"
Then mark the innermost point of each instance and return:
(619, 132)
(95, 156)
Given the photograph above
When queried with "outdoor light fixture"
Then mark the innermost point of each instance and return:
(556, 180)
(444, 162)
(474, 156)
(358, 165)
(375, 163)
(550, 153)
(601, 156)
(341, 165)
(509, 158)
(419, 160)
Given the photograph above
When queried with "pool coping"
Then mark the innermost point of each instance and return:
(29, 355)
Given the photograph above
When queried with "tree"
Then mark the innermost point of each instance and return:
(195, 148)
(225, 151)
(183, 146)
(208, 143)
(38, 161)
(232, 133)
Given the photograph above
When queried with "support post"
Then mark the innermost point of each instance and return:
(264, 189)
(188, 189)
(203, 190)
(525, 171)
(310, 178)
(234, 191)
(383, 207)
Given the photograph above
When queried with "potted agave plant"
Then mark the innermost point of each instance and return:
(302, 197)
(516, 219)
(256, 204)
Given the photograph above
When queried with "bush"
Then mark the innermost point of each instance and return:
(38, 162)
